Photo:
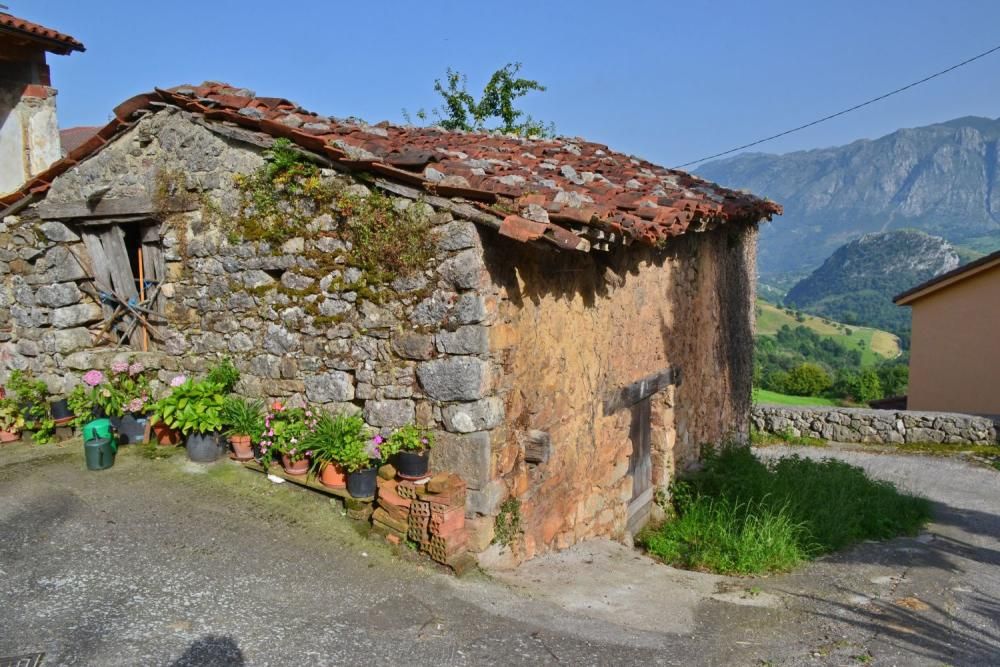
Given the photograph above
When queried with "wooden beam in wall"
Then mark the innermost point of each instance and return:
(120, 206)
(631, 394)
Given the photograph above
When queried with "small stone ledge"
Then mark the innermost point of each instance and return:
(875, 426)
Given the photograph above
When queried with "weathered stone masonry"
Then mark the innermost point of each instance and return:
(875, 426)
(583, 327)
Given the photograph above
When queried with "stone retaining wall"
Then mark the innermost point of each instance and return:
(874, 426)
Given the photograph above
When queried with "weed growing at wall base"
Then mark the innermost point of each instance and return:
(739, 515)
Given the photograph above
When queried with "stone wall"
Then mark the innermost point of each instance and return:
(299, 322)
(570, 330)
(875, 426)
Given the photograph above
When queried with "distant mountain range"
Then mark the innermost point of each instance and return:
(857, 283)
(943, 179)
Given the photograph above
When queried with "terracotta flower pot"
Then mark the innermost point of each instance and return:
(242, 447)
(299, 467)
(333, 476)
(9, 436)
(166, 436)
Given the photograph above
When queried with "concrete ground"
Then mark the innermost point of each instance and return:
(163, 562)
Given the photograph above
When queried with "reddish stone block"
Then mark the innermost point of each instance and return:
(420, 508)
(446, 524)
(397, 512)
(392, 538)
(388, 495)
(384, 518)
(417, 527)
(407, 490)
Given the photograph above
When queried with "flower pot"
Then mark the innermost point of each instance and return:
(116, 422)
(98, 412)
(132, 429)
(242, 447)
(333, 476)
(9, 436)
(60, 411)
(300, 467)
(166, 436)
(411, 465)
(204, 447)
(361, 483)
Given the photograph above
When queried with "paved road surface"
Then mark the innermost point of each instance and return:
(168, 563)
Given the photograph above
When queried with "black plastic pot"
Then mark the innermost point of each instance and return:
(411, 465)
(60, 410)
(98, 412)
(361, 483)
(204, 447)
(116, 422)
(132, 429)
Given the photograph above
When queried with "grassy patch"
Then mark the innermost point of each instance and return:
(774, 398)
(764, 439)
(740, 515)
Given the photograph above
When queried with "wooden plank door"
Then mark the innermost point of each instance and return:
(640, 465)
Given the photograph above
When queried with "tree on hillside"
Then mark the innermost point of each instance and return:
(807, 380)
(495, 109)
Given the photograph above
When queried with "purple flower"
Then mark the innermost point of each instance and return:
(93, 378)
(119, 367)
(136, 368)
(378, 440)
(178, 381)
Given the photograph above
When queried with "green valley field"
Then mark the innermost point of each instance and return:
(874, 344)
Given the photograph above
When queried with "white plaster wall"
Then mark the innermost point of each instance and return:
(30, 118)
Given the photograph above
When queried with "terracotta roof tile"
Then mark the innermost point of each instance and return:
(56, 41)
(573, 182)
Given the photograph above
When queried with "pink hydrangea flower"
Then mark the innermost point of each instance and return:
(178, 381)
(93, 378)
(135, 405)
(119, 367)
(136, 368)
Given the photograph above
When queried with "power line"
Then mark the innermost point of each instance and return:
(841, 113)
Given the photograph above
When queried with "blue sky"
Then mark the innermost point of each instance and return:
(669, 81)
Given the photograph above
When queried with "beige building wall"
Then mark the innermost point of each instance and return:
(955, 351)
(29, 133)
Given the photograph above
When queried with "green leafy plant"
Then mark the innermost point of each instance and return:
(386, 242)
(508, 522)
(462, 111)
(409, 438)
(285, 432)
(82, 401)
(225, 374)
(192, 407)
(11, 419)
(32, 396)
(243, 416)
(333, 435)
(361, 454)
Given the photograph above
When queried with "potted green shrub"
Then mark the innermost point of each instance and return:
(331, 435)
(285, 431)
(244, 419)
(32, 402)
(11, 421)
(410, 446)
(224, 373)
(195, 409)
(361, 460)
(127, 392)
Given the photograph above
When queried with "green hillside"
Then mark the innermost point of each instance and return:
(874, 344)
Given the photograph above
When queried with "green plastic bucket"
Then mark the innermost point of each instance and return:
(100, 453)
(98, 429)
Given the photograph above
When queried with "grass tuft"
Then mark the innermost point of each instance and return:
(739, 515)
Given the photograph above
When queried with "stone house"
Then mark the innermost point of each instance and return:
(29, 134)
(581, 324)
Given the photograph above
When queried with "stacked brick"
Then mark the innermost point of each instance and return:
(431, 514)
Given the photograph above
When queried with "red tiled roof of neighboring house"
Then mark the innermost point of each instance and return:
(53, 40)
(553, 184)
(72, 137)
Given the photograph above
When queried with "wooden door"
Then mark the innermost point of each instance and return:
(640, 465)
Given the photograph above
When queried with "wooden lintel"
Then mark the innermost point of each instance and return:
(115, 207)
(631, 394)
